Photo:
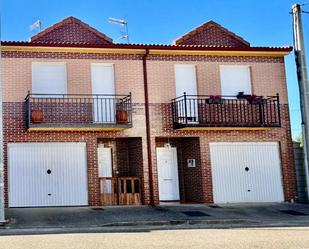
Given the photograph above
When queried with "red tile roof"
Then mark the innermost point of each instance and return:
(147, 46)
(38, 41)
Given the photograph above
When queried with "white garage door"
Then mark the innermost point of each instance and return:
(246, 172)
(47, 174)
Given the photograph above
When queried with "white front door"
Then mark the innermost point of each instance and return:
(47, 174)
(185, 77)
(167, 174)
(105, 165)
(246, 172)
(104, 107)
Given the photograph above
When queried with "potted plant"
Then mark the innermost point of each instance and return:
(242, 95)
(36, 116)
(121, 114)
(255, 100)
(214, 99)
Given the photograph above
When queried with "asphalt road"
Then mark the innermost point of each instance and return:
(291, 238)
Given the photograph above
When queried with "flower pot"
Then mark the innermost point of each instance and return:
(257, 101)
(214, 101)
(241, 95)
(122, 117)
(36, 116)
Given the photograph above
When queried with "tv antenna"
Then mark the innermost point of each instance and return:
(124, 24)
(37, 25)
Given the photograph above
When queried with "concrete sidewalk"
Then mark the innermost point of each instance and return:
(161, 217)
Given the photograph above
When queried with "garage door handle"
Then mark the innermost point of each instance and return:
(48, 171)
(49, 194)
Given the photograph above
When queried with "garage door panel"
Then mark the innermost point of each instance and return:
(31, 185)
(266, 174)
(222, 168)
(31, 189)
(68, 180)
(246, 172)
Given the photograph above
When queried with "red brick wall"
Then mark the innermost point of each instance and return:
(268, 78)
(190, 181)
(71, 32)
(135, 149)
(212, 35)
(69, 111)
(136, 158)
(122, 153)
(193, 183)
(162, 127)
(15, 131)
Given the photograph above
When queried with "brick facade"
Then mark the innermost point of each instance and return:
(201, 139)
(71, 31)
(212, 34)
(15, 132)
(130, 146)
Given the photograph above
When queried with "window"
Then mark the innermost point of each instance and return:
(49, 78)
(185, 77)
(235, 79)
(103, 82)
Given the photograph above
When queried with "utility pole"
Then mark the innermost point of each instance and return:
(303, 83)
(2, 216)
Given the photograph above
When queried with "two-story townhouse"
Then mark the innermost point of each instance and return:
(90, 122)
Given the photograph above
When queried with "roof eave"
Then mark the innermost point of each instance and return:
(148, 46)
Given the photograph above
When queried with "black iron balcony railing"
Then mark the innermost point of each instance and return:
(78, 111)
(225, 111)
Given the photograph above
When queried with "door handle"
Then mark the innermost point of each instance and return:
(167, 179)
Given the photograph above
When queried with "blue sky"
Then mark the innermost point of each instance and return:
(262, 23)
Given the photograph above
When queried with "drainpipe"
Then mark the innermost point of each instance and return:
(150, 176)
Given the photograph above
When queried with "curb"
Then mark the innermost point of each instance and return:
(148, 226)
(179, 222)
(12, 226)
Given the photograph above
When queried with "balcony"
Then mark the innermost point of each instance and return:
(78, 112)
(225, 112)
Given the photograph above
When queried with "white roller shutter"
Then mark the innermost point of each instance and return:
(49, 78)
(246, 172)
(47, 174)
(235, 79)
(185, 78)
(103, 82)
